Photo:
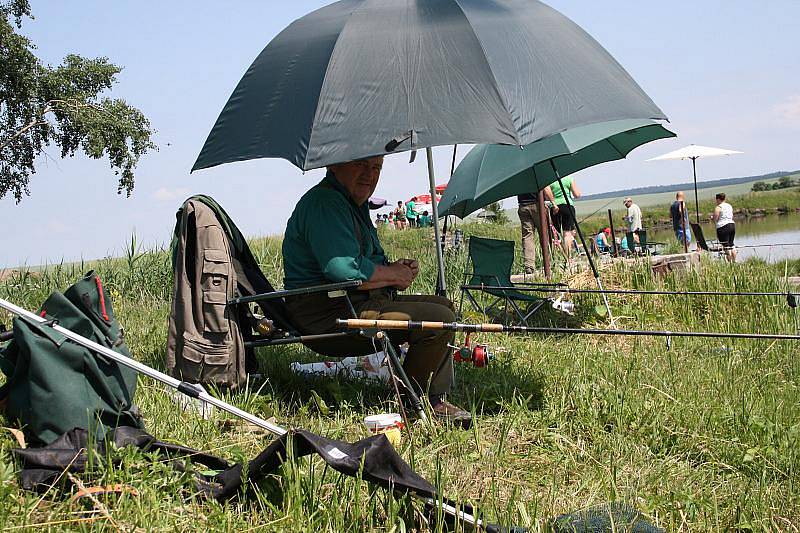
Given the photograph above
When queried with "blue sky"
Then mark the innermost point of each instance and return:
(727, 73)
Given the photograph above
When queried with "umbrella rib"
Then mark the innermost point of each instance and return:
(489, 65)
(614, 146)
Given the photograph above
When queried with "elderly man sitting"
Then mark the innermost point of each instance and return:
(330, 238)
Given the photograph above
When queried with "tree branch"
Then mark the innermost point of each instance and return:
(49, 107)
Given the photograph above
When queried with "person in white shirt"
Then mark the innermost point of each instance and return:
(726, 227)
(633, 218)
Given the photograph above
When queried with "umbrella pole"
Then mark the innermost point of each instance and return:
(543, 240)
(613, 234)
(583, 243)
(696, 202)
(447, 217)
(441, 288)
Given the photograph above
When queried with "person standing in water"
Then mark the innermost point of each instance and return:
(726, 227)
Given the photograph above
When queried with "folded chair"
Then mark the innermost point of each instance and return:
(491, 261)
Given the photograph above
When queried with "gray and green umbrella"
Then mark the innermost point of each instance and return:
(493, 172)
(359, 78)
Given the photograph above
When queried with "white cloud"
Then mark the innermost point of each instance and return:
(170, 195)
(789, 110)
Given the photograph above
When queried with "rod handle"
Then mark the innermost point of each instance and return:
(364, 323)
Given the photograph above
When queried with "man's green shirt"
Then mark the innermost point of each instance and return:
(321, 244)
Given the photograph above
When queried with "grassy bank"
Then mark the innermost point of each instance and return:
(704, 436)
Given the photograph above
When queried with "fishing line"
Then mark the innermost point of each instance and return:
(584, 219)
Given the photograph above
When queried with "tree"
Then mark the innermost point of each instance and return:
(500, 217)
(759, 186)
(66, 106)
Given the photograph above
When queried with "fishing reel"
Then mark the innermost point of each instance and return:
(480, 355)
(564, 306)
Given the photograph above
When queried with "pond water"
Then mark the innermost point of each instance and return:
(772, 238)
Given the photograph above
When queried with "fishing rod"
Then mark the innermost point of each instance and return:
(200, 394)
(584, 219)
(361, 323)
(789, 295)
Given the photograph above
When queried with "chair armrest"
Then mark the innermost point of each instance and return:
(344, 285)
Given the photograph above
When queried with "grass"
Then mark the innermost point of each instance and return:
(704, 436)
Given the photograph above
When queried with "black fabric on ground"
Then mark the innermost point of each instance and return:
(42, 466)
(374, 458)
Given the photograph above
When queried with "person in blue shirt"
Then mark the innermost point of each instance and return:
(603, 244)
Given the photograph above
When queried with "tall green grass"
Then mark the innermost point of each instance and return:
(703, 436)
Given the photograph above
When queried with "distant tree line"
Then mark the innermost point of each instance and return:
(717, 184)
(784, 183)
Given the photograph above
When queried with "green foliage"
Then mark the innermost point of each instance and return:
(499, 215)
(784, 182)
(41, 105)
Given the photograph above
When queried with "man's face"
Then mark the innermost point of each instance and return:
(628, 203)
(360, 178)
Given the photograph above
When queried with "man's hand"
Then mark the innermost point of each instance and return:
(413, 264)
(402, 274)
(398, 275)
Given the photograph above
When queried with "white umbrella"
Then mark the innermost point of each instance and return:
(694, 152)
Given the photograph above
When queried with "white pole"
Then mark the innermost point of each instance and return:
(442, 288)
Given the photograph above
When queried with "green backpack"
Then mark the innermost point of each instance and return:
(54, 385)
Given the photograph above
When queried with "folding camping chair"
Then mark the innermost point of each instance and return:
(491, 261)
(644, 246)
(283, 331)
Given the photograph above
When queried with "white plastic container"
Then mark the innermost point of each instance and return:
(390, 424)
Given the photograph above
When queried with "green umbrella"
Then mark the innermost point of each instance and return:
(493, 172)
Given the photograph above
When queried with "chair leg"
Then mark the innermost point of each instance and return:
(399, 371)
(535, 308)
(516, 308)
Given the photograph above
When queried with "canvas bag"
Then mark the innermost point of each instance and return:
(54, 385)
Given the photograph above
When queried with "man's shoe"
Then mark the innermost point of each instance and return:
(447, 412)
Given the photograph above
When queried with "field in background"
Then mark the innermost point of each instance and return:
(703, 435)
